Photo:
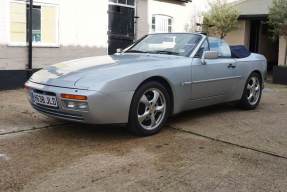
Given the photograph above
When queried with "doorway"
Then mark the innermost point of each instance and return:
(261, 41)
(254, 35)
(121, 28)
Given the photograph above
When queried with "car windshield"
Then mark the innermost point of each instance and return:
(171, 44)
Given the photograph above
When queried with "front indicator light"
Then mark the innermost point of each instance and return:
(74, 97)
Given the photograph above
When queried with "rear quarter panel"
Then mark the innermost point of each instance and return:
(245, 66)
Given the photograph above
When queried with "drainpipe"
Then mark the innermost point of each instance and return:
(285, 56)
(136, 17)
(30, 66)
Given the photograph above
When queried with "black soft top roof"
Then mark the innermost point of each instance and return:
(239, 51)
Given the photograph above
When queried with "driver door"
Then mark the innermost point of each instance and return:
(214, 79)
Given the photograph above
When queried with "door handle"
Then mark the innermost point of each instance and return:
(231, 66)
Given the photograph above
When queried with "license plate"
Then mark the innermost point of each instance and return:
(45, 100)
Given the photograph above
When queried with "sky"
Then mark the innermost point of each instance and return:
(202, 5)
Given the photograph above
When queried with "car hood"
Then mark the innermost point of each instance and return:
(67, 74)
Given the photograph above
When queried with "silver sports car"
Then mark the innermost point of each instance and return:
(158, 76)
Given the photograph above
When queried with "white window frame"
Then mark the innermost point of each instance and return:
(34, 44)
(123, 5)
(154, 24)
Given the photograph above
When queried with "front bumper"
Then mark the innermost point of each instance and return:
(103, 108)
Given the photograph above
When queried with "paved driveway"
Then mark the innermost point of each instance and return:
(219, 148)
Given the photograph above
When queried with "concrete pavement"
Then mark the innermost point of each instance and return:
(219, 148)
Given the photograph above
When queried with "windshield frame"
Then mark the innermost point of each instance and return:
(186, 55)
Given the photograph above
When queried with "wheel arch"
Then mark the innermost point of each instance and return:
(165, 83)
(260, 75)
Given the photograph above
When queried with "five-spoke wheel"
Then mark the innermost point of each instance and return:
(252, 92)
(149, 109)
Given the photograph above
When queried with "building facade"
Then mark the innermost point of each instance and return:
(64, 29)
(252, 31)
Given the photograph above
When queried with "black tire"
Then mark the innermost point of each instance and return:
(134, 125)
(244, 102)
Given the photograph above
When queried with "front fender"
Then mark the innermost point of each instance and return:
(128, 79)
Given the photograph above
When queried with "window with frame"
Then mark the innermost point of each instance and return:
(44, 24)
(220, 46)
(161, 24)
(123, 2)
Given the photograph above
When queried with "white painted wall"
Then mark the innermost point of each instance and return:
(83, 27)
(180, 12)
(75, 17)
(142, 27)
(81, 23)
(84, 23)
(4, 21)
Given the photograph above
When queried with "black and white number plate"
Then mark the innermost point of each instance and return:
(45, 100)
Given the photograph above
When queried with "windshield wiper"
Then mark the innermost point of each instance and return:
(165, 52)
(135, 51)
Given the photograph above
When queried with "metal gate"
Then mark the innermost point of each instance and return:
(121, 27)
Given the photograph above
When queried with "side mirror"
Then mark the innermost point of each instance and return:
(209, 55)
(119, 50)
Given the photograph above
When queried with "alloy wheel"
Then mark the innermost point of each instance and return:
(253, 90)
(151, 109)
